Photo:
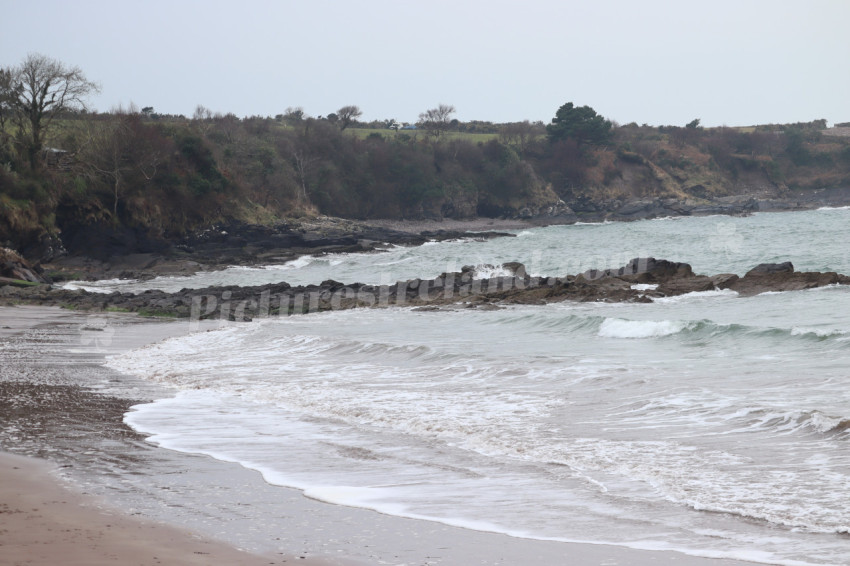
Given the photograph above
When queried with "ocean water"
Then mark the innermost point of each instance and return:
(709, 423)
(712, 244)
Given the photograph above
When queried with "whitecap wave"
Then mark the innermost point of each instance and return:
(486, 271)
(817, 332)
(101, 286)
(620, 328)
(302, 261)
(697, 295)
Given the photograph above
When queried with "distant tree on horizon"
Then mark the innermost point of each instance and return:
(293, 116)
(34, 93)
(347, 114)
(436, 121)
(581, 124)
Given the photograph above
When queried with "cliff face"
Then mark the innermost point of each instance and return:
(648, 172)
(170, 178)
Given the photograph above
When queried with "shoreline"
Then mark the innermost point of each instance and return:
(45, 522)
(102, 458)
(239, 244)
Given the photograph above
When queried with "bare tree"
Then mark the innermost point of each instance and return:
(436, 121)
(41, 89)
(293, 116)
(303, 163)
(202, 113)
(228, 126)
(677, 135)
(104, 153)
(521, 134)
(346, 115)
(120, 146)
(202, 119)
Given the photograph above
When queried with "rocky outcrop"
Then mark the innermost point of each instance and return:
(14, 268)
(782, 277)
(645, 269)
(641, 280)
(770, 269)
(648, 208)
(628, 210)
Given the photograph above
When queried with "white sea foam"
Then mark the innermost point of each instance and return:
(100, 286)
(347, 495)
(620, 328)
(818, 332)
(511, 420)
(302, 261)
(488, 271)
(832, 208)
(697, 296)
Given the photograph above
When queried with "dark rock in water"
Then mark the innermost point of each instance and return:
(641, 210)
(771, 268)
(647, 268)
(783, 278)
(724, 280)
(443, 235)
(515, 268)
(682, 285)
(657, 268)
(332, 285)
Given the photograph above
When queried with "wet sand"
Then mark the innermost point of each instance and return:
(58, 403)
(43, 522)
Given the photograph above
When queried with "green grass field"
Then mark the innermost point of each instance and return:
(421, 134)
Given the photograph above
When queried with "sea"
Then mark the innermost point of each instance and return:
(708, 423)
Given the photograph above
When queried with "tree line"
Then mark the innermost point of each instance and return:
(62, 164)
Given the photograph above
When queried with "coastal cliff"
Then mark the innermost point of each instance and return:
(174, 178)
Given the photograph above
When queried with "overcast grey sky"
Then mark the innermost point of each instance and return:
(733, 62)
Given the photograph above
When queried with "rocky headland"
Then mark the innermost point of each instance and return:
(97, 251)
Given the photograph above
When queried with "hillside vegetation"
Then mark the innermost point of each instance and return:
(140, 178)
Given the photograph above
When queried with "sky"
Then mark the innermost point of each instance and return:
(735, 63)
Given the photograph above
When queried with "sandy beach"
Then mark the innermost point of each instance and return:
(105, 496)
(44, 522)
